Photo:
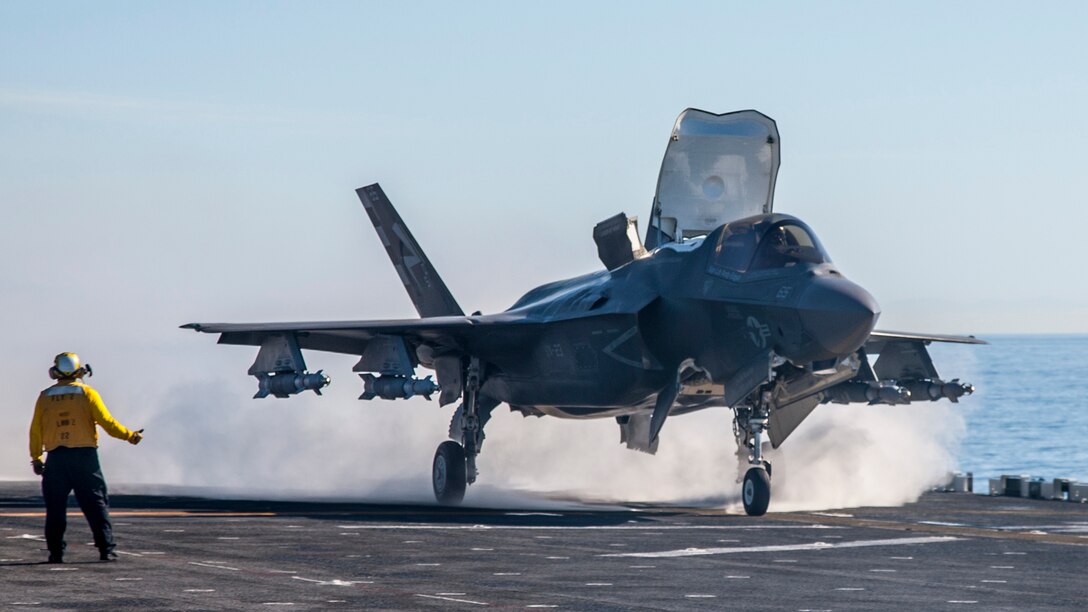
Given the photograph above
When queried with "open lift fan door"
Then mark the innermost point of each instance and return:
(717, 168)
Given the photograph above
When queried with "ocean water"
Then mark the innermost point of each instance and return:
(1029, 413)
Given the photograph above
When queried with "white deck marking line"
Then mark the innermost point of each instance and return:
(693, 552)
(432, 527)
(333, 582)
(468, 601)
(224, 567)
(199, 590)
(942, 523)
(1058, 527)
(131, 554)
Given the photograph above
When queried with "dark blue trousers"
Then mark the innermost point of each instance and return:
(75, 469)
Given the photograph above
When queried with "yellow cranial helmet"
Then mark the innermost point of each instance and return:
(66, 365)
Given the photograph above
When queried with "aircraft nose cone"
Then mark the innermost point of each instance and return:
(837, 314)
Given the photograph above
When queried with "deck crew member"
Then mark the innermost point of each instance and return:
(64, 425)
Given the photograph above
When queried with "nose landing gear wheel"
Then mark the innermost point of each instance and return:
(756, 492)
(448, 474)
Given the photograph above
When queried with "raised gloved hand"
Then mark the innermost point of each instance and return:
(39, 467)
(136, 437)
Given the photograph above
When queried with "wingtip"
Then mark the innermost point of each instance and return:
(927, 338)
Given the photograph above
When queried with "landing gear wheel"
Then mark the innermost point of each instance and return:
(756, 492)
(448, 476)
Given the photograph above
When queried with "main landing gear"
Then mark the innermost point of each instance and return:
(454, 466)
(749, 423)
(448, 473)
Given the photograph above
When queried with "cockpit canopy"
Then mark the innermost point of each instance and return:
(763, 243)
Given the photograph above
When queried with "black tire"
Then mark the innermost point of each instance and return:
(448, 474)
(756, 492)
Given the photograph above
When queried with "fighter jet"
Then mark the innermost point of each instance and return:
(724, 304)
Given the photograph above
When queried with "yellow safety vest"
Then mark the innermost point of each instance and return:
(66, 414)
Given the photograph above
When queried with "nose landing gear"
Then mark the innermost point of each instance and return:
(757, 491)
(749, 423)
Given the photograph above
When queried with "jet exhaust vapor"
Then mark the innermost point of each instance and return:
(726, 304)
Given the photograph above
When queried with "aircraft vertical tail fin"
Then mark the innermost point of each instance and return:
(429, 294)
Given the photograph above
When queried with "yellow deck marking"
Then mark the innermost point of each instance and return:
(165, 513)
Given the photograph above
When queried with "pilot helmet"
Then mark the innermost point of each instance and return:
(66, 365)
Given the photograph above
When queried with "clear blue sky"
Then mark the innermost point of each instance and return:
(162, 163)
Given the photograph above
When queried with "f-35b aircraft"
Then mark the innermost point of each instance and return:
(725, 304)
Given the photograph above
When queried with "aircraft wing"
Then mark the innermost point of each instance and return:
(903, 356)
(352, 337)
(385, 347)
(886, 336)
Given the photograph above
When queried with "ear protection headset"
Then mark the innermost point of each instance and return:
(66, 365)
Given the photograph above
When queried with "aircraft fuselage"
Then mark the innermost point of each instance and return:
(606, 343)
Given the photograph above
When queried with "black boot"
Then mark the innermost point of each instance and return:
(107, 555)
(55, 558)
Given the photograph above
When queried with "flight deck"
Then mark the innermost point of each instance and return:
(947, 551)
